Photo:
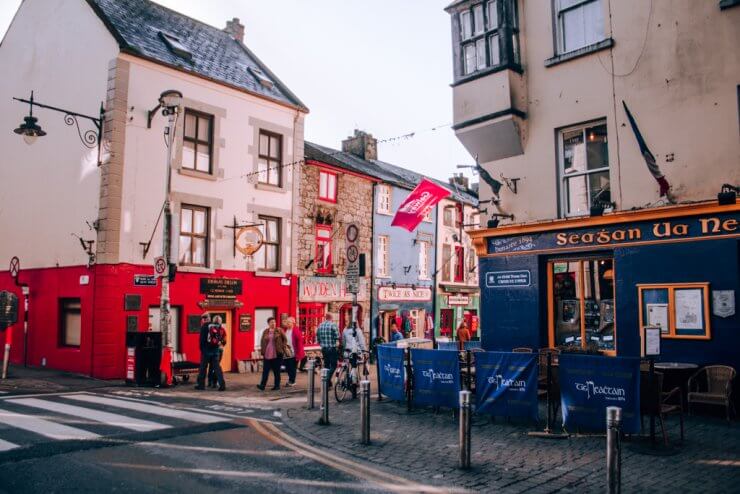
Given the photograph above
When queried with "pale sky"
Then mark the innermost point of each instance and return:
(383, 66)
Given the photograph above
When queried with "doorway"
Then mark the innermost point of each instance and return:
(386, 318)
(226, 321)
(446, 322)
(581, 304)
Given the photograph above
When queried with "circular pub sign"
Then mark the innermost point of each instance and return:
(249, 240)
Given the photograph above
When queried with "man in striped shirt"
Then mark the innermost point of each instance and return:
(327, 336)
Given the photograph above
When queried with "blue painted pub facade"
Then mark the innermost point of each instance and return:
(595, 283)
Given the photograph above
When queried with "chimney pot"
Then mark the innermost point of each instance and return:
(235, 29)
(362, 145)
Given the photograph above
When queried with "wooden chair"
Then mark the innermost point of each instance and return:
(662, 404)
(712, 385)
(522, 349)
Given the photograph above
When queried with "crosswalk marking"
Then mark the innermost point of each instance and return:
(88, 413)
(161, 410)
(44, 427)
(5, 445)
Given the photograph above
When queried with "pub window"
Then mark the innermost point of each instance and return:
(581, 304)
(197, 145)
(383, 255)
(323, 249)
(267, 258)
(327, 186)
(583, 169)
(384, 199)
(194, 236)
(270, 159)
(482, 28)
(681, 310)
(579, 23)
(70, 322)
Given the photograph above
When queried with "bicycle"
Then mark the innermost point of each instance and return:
(347, 378)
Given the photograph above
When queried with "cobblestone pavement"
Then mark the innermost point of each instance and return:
(422, 445)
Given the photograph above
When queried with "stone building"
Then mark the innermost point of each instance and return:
(334, 195)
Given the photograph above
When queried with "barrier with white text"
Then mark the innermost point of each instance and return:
(436, 377)
(506, 384)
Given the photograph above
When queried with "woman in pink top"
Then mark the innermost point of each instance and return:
(272, 347)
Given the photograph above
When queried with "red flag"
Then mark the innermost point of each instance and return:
(422, 199)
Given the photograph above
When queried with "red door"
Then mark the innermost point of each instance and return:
(446, 321)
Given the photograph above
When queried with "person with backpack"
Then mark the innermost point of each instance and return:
(215, 340)
(272, 347)
(212, 379)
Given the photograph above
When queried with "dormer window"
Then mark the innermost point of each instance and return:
(175, 45)
(261, 77)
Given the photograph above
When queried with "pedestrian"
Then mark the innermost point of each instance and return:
(212, 380)
(463, 335)
(205, 321)
(295, 353)
(395, 333)
(327, 335)
(272, 347)
(215, 337)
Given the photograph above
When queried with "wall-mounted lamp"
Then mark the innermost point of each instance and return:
(494, 221)
(728, 195)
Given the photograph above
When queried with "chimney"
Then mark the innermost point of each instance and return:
(362, 145)
(460, 180)
(235, 29)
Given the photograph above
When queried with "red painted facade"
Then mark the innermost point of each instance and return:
(101, 353)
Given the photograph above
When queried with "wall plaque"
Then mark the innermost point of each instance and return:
(193, 323)
(723, 303)
(245, 322)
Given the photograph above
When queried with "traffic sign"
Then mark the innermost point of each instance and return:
(353, 277)
(160, 266)
(352, 232)
(352, 253)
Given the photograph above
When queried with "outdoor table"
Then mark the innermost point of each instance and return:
(677, 374)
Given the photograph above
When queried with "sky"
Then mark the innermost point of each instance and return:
(382, 66)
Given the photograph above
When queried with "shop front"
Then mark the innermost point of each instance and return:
(593, 284)
(318, 295)
(410, 307)
(454, 305)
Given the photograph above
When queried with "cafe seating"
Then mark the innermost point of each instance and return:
(655, 401)
(712, 385)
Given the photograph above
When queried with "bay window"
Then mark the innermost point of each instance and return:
(488, 36)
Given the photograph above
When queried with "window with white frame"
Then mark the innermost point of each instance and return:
(267, 258)
(482, 28)
(383, 255)
(384, 199)
(583, 168)
(424, 261)
(579, 23)
(270, 158)
(194, 228)
(327, 186)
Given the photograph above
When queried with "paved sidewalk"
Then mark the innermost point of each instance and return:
(35, 380)
(423, 446)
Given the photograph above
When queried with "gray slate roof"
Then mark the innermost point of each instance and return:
(385, 172)
(136, 25)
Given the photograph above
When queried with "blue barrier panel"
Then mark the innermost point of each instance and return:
(506, 384)
(390, 363)
(447, 345)
(469, 345)
(589, 384)
(436, 377)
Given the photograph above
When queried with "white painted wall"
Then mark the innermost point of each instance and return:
(60, 49)
(240, 116)
(445, 237)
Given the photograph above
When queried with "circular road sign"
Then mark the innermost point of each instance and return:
(352, 253)
(160, 266)
(352, 232)
(15, 267)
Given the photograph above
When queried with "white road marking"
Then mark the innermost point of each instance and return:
(96, 415)
(162, 410)
(44, 427)
(5, 445)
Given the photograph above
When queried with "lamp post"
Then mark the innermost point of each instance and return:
(31, 130)
(170, 102)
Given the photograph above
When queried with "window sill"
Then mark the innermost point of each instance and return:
(581, 52)
(270, 187)
(328, 201)
(726, 4)
(269, 274)
(515, 67)
(195, 269)
(196, 174)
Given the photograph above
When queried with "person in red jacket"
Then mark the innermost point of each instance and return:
(295, 343)
(463, 335)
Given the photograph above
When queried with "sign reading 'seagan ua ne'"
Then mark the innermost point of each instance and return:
(506, 384)
(436, 377)
(390, 362)
(589, 384)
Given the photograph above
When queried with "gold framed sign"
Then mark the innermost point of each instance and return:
(249, 239)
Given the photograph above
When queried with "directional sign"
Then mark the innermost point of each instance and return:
(160, 266)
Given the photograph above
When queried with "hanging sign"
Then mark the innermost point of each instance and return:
(248, 240)
(436, 377)
(506, 384)
(589, 384)
(390, 364)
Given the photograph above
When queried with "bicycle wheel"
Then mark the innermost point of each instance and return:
(342, 385)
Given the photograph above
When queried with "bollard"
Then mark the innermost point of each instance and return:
(365, 411)
(613, 450)
(324, 419)
(465, 429)
(310, 369)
